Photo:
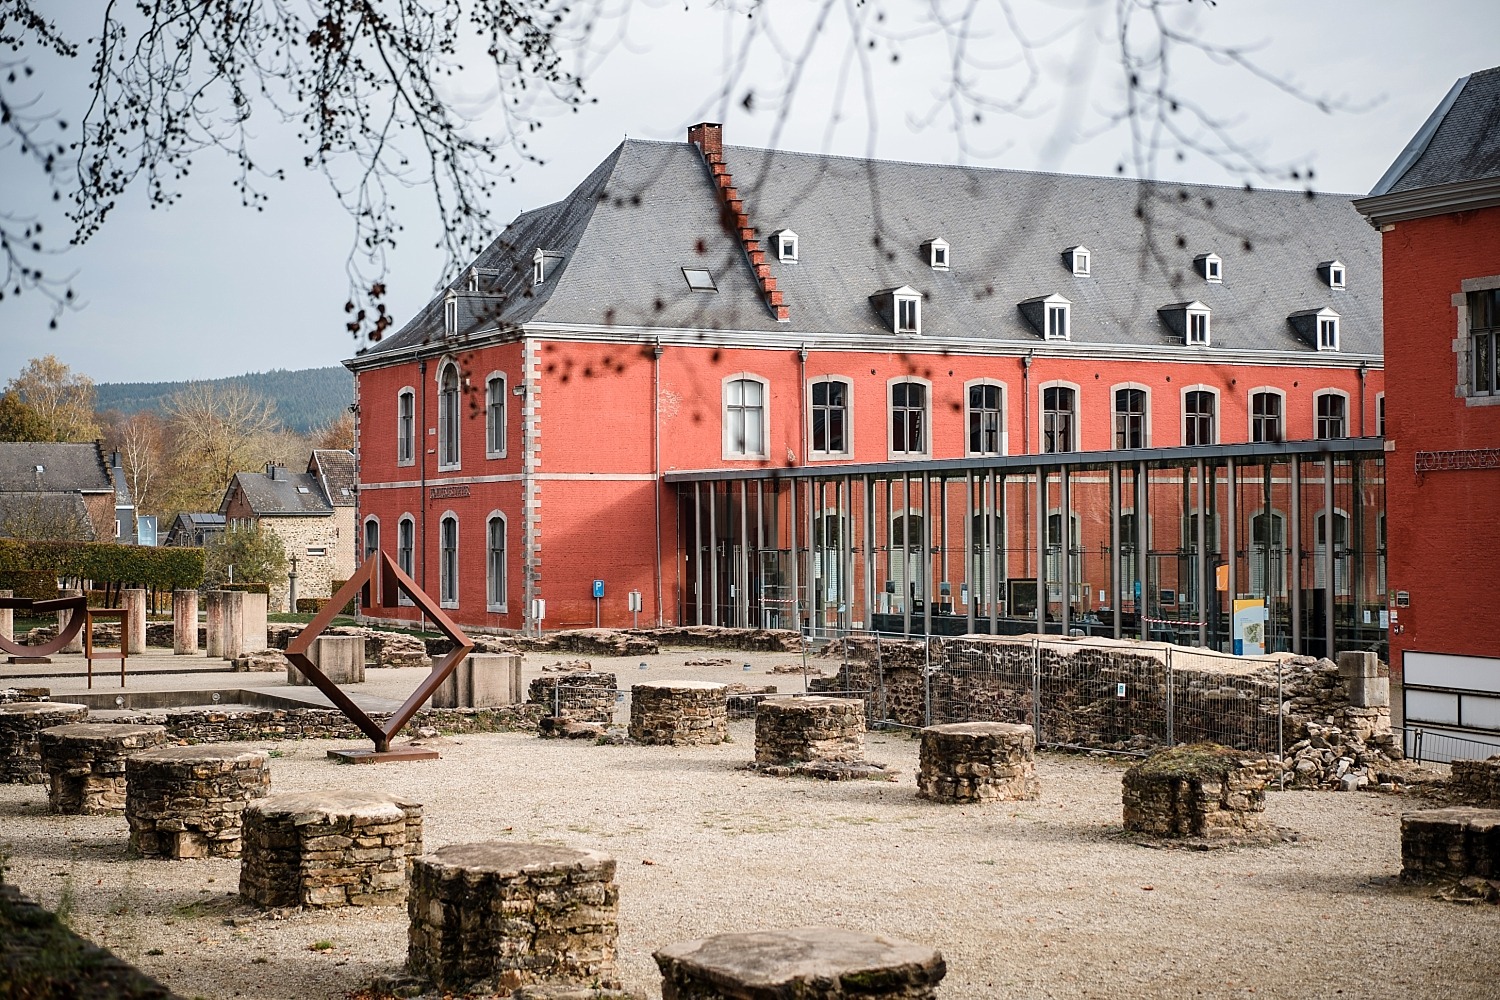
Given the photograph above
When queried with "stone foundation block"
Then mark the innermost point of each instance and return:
(513, 915)
(85, 764)
(1476, 781)
(978, 762)
(1198, 791)
(816, 728)
(341, 658)
(583, 697)
(20, 725)
(808, 963)
(188, 802)
(328, 849)
(482, 680)
(679, 713)
(1454, 843)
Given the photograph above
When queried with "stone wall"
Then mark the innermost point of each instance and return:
(1476, 782)
(1199, 791)
(188, 802)
(762, 640)
(251, 725)
(1458, 845)
(382, 648)
(583, 696)
(678, 713)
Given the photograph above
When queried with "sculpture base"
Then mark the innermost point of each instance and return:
(383, 756)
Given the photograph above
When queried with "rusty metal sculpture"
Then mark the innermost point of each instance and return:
(378, 581)
(67, 633)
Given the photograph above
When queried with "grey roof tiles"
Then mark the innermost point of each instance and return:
(1460, 141)
(65, 467)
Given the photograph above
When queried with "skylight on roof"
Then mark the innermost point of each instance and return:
(303, 489)
(699, 280)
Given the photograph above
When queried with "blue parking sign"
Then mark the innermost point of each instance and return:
(598, 588)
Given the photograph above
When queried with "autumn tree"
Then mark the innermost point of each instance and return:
(142, 440)
(337, 433)
(217, 429)
(244, 553)
(19, 422)
(61, 400)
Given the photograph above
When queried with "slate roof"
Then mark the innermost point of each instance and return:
(650, 210)
(66, 467)
(49, 511)
(300, 494)
(1460, 141)
(335, 470)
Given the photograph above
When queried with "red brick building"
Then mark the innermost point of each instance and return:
(1438, 211)
(691, 306)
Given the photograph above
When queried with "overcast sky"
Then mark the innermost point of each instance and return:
(207, 288)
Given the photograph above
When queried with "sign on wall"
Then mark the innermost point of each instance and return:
(1249, 627)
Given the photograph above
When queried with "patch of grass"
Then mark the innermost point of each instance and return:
(155, 951)
(320, 946)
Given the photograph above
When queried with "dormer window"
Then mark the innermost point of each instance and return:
(785, 242)
(1333, 273)
(483, 279)
(900, 309)
(1191, 321)
(538, 267)
(937, 253)
(1319, 327)
(1049, 315)
(1077, 260)
(450, 316)
(908, 314)
(1210, 266)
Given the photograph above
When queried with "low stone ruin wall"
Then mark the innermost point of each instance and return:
(753, 640)
(583, 697)
(382, 648)
(1199, 791)
(1476, 782)
(220, 726)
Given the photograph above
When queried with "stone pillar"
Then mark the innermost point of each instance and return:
(582, 697)
(823, 962)
(329, 849)
(188, 802)
(816, 728)
(76, 644)
(184, 622)
(978, 762)
(134, 601)
(253, 631)
(85, 764)
(495, 679)
(1456, 843)
(1369, 684)
(233, 624)
(341, 658)
(213, 622)
(516, 914)
(679, 713)
(20, 724)
(7, 619)
(1199, 791)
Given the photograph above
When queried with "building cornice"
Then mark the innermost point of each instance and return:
(1421, 203)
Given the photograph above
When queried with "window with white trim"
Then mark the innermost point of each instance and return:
(908, 313)
(495, 570)
(908, 401)
(406, 427)
(1197, 327)
(1268, 554)
(448, 561)
(1059, 419)
(938, 254)
(1328, 333)
(745, 417)
(450, 316)
(1340, 552)
(494, 416)
(1484, 342)
(1199, 417)
(986, 406)
(1130, 417)
(830, 416)
(372, 537)
(406, 536)
(1211, 266)
(1057, 320)
(1266, 416)
(1331, 410)
(449, 413)
(1380, 418)
(785, 242)
(1078, 260)
(1336, 276)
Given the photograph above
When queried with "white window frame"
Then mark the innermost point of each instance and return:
(490, 408)
(939, 254)
(450, 315)
(1328, 319)
(1250, 411)
(898, 299)
(785, 243)
(491, 605)
(1075, 431)
(538, 267)
(1380, 418)
(1081, 259)
(1146, 416)
(406, 524)
(1319, 395)
(364, 537)
(813, 453)
(1062, 308)
(1213, 268)
(890, 430)
(447, 598)
(1276, 542)
(1004, 441)
(1338, 275)
(765, 419)
(1341, 587)
(407, 393)
(1465, 343)
(1215, 421)
(456, 418)
(1191, 337)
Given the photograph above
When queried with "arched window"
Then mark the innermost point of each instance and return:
(494, 416)
(1331, 409)
(496, 590)
(372, 536)
(831, 398)
(1200, 416)
(406, 536)
(448, 561)
(406, 427)
(910, 401)
(1130, 412)
(1268, 555)
(985, 403)
(448, 417)
(745, 417)
(1267, 415)
(905, 578)
(1340, 553)
(1059, 418)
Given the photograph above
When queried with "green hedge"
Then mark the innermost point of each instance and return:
(102, 562)
(249, 588)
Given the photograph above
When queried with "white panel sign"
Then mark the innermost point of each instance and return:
(1431, 706)
(1481, 713)
(1469, 673)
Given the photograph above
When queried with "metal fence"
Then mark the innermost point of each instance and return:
(1076, 693)
(1433, 746)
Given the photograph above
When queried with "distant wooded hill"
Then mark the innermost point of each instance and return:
(305, 399)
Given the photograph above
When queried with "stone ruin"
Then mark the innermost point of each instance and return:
(21, 722)
(1458, 847)
(1199, 792)
(85, 764)
(587, 697)
(678, 713)
(500, 916)
(1476, 782)
(815, 737)
(188, 802)
(328, 849)
(978, 762)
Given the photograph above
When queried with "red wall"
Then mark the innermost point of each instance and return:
(1444, 526)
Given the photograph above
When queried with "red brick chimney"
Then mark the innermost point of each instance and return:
(709, 138)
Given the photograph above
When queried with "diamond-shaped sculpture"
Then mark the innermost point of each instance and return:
(384, 580)
(77, 605)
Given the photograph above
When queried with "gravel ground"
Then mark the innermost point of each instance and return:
(1044, 899)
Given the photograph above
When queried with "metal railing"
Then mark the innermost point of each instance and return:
(1424, 745)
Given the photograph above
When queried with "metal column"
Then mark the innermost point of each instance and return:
(926, 557)
(1041, 550)
(969, 550)
(1205, 583)
(1115, 588)
(1329, 559)
(1142, 541)
(698, 549)
(713, 552)
(1065, 521)
(1231, 511)
(796, 591)
(1294, 571)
